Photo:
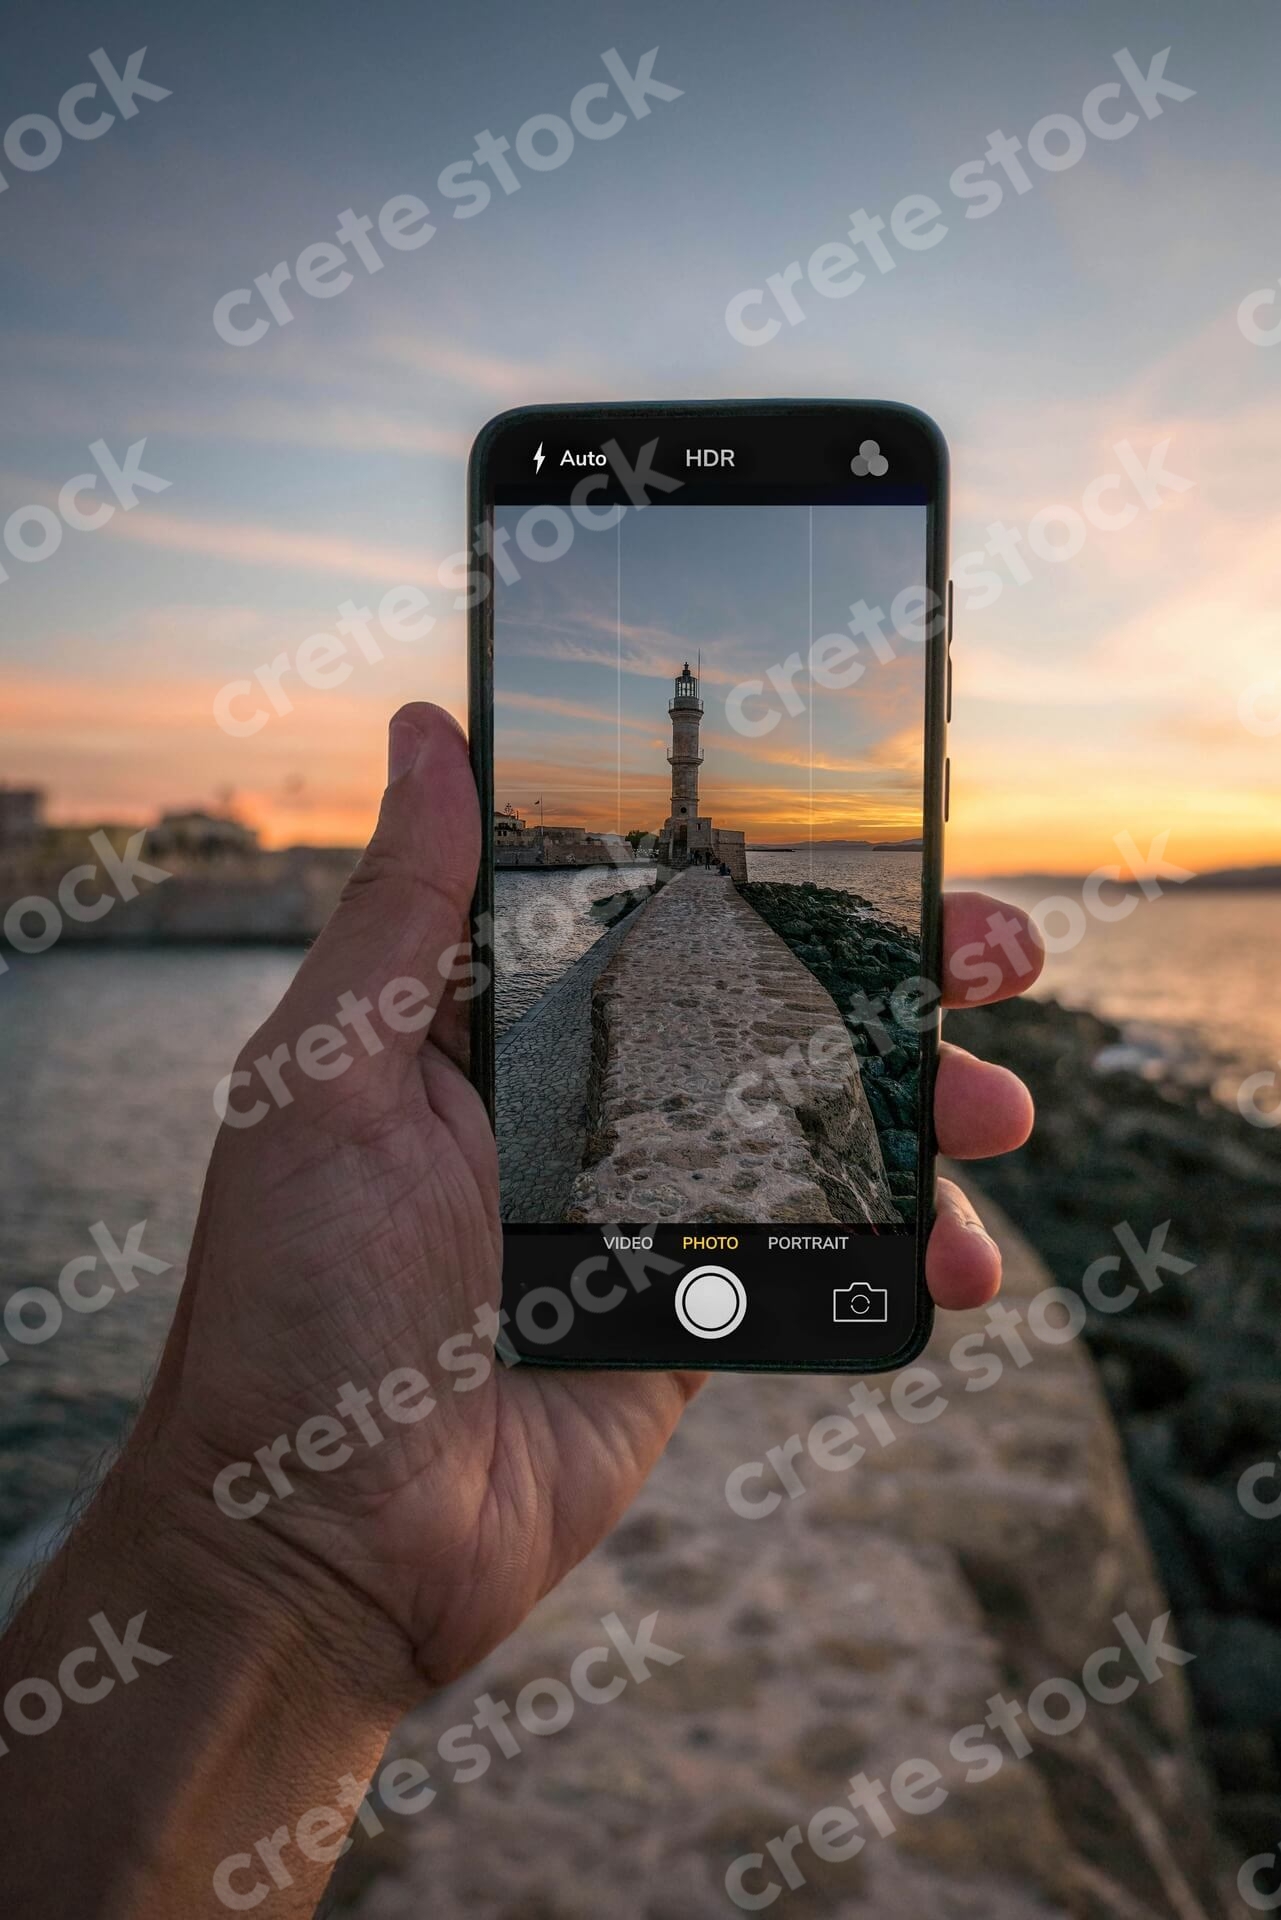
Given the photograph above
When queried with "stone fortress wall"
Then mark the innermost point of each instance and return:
(550, 847)
(267, 897)
(588, 849)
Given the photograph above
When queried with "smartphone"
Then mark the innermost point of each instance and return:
(709, 695)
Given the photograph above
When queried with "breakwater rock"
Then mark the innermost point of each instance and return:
(723, 1083)
(610, 908)
(865, 962)
(1191, 1359)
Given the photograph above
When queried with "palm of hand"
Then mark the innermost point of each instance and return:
(353, 1232)
(342, 1241)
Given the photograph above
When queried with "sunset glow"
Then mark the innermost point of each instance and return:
(1096, 695)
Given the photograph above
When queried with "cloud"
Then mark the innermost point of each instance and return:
(571, 710)
(648, 652)
(903, 752)
(265, 546)
(496, 375)
(279, 422)
(355, 401)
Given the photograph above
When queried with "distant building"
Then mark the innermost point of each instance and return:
(519, 845)
(71, 843)
(200, 836)
(688, 838)
(21, 815)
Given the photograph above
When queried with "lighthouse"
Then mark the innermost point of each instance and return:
(686, 710)
(688, 838)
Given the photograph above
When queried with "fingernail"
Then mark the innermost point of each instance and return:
(403, 742)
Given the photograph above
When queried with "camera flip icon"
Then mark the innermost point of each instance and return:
(859, 1301)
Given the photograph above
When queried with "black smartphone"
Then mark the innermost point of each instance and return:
(710, 682)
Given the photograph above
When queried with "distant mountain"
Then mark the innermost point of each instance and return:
(791, 846)
(1237, 877)
(800, 843)
(1054, 881)
(1223, 877)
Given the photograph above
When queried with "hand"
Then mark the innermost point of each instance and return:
(348, 1233)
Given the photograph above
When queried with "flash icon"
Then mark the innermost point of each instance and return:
(538, 458)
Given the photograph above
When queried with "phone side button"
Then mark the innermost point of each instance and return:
(949, 653)
(947, 787)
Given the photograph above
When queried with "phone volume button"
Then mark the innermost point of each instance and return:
(947, 787)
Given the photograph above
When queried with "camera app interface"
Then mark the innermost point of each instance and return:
(707, 851)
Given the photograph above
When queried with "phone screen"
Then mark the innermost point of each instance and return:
(711, 895)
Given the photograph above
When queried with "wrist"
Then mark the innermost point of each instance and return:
(243, 1584)
(258, 1688)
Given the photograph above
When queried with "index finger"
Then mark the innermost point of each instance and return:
(991, 950)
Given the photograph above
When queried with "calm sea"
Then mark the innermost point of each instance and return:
(108, 1062)
(543, 922)
(1191, 977)
(108, 1059)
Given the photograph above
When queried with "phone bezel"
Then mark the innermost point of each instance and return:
(937, 674)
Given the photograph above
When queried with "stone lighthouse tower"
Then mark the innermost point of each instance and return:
(686, 710)
(688, 838)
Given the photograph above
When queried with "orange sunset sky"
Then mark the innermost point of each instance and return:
(586, 651)
(1085, 328)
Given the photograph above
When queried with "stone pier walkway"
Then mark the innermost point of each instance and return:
(725, 1085)
(847, 1615)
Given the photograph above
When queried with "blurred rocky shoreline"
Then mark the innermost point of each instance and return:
(1191, 1365)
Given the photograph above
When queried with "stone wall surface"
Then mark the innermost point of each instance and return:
(729, 845)
(284, 896)
(724, 1084)
(551, 852)
(854, 1625)
(542, 1065)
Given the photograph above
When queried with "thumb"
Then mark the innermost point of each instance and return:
(383, 958)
